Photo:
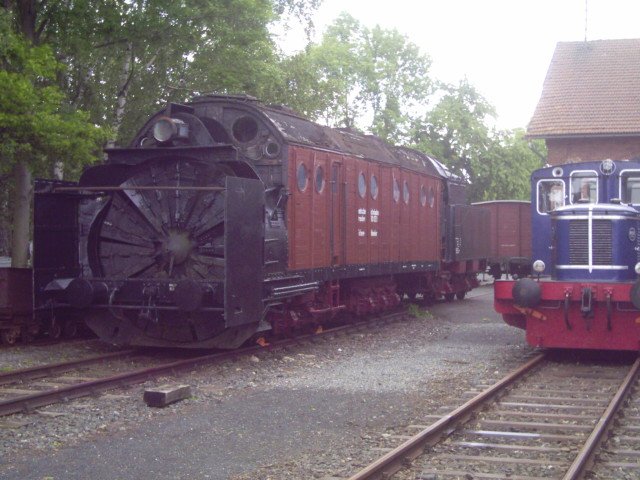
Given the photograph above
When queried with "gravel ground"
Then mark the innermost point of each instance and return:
(312, 411)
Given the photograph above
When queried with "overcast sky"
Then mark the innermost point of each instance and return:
(502, 46)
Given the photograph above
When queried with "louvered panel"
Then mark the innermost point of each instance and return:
(578, 242)
(601, 242)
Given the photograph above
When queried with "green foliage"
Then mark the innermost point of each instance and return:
(125, 59)
(504, 172)
(497, 164)
(358, 77)
(36, 125)
(455, 130)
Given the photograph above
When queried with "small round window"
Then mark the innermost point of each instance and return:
(423, 195)
(432, 198)
(374, 187)
(319, 179)
(396, 190)
(405, 194)
(245, 129)
(362, 185)
(303, 177)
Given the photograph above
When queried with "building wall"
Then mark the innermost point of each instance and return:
(571, 150)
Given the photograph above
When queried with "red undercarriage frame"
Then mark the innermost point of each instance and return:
(365, 296)
(576, 315)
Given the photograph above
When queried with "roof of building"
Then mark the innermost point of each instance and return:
(591, 89)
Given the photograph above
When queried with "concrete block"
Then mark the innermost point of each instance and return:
(166, 394)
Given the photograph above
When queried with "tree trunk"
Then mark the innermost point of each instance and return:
(27, 19)
(21, 216)
(121, 101)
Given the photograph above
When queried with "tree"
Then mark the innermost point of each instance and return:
(356, 77)
(37, 127)
(505, 172)
(125, 58)
(497, 164)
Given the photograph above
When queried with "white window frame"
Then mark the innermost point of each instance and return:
(593, 174)
(620, 176)
(550, 180)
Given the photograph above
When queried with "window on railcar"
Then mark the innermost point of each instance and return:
(550, 195)
(396, 190)
(584, 186)
(319, 179)
(374, 187)
(303, 177)
(630, 186)
(362, 185)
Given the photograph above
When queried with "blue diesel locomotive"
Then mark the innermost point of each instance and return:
(585, 289)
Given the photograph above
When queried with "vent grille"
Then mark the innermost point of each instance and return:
(579, 242)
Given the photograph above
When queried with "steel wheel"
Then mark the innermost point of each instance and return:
(55, 329)
(70, 329)
(10, 336)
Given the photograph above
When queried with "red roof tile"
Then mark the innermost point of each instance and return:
(591, 88)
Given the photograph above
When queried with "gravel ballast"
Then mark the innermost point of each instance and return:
(318, 410)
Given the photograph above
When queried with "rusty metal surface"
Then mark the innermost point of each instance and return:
(585, 456)
(296, 129)
(49, 369)
(515, 443)
(394, 460)
(29, 402)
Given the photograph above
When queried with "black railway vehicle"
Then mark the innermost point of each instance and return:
(225, 217)
(16, 305)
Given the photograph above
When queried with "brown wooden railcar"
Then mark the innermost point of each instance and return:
(509, 237)
(350, 211)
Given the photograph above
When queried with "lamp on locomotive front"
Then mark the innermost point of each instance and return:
(538, 266)
(166, 129)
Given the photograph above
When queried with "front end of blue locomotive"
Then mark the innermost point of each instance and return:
(598, 242)
(584, 292)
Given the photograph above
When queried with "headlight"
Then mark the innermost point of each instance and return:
(538, 266)
(167, 128)
(638, 268)
(164, 130)
(607, 166)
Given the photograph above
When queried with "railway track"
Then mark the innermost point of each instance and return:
(545, 420)
(25, 390)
